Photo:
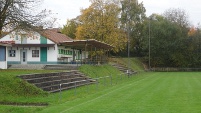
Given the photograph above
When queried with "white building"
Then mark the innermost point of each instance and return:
(38, 48)
(48, 46)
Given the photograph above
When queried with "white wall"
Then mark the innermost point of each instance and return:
(29, 55)
(52, 54)
(49, 42)
(3, 65)
(32, 38)
(17, 54)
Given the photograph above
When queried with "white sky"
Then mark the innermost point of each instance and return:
(68, 9)
(65, 9)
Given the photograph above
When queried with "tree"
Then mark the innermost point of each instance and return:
(132, 17)
(19, 14)
(193, 43)
(101, 22)
(167, 44)
(192, 31)
(178, 16)
(70, 28)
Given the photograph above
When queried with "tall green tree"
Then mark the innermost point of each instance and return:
(179, 17)
(132, 17)
(166, 45)
(101, 22)
(70, 28)
(193, 44)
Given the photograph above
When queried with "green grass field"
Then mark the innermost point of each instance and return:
(146, 92)
(173, 92)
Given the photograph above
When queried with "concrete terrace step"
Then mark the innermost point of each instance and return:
(26, 66)
(54, 77)
(45, 66)
(123, 68)
(39, 75)
(56, 82)
(59, 81)
(62, 67)
(51, 81)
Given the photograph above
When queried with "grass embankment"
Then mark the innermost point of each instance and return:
(99, 71)
(15, 90)
(134, 63)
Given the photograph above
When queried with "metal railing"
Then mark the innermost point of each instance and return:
(91, 85)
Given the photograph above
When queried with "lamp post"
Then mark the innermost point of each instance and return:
(128, 46)
(150, 18)
(149, 43)
(128, 32)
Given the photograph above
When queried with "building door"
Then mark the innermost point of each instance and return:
(2, 53)
(23, 56)
(43, 54)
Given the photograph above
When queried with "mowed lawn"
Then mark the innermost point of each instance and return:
(154, 92)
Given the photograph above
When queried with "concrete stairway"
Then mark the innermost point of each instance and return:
(123, 69)
(26, 66)
(51, 81)
(62, 67)
(45, 66)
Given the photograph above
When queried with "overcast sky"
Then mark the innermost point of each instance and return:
(68, 9)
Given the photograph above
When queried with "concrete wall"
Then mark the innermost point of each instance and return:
(52, 54)
(3, 65)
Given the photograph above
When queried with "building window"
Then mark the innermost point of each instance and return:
(24, 39)
(11, 53)
(35, 53)
(59, 51)
(70, 52)
(2, 53)
(66, 52)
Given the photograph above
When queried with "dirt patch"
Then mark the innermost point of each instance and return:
(24, 104)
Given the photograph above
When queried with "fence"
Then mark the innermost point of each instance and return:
(98, 84)
(169, 69)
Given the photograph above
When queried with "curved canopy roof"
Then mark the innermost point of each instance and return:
(87, 44)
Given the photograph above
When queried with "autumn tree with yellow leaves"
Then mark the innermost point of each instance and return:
(101, 22)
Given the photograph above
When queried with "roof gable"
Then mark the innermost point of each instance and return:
(51, 34)
(55, 36)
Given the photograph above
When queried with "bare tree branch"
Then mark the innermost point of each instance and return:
(20, 14)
